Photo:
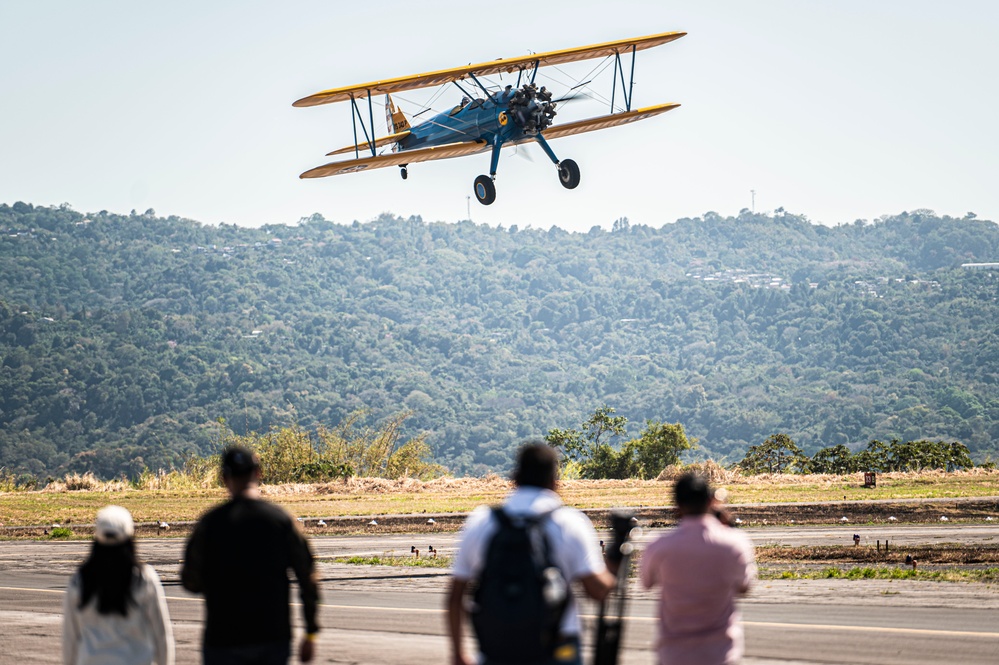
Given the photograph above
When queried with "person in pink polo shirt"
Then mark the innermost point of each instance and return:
(701, 566)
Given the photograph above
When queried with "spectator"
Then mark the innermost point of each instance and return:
(569, 533)
(700, 567)
(238, 556)
(114, 610)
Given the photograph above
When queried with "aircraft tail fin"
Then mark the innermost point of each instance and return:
(394, 118)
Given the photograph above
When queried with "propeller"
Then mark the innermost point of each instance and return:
(532, 108)
(521, 150)
(574, 97)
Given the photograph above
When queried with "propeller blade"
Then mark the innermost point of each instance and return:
(577, 96)
(521, 150)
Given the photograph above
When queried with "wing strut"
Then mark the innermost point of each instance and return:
(479, 83)
(371, 119)
(355, 116)
(626, 91)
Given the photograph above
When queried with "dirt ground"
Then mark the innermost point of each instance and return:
(831, 512)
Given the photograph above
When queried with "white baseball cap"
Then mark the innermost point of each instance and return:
(114, 526)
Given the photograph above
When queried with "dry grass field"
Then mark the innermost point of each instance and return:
(77, 499)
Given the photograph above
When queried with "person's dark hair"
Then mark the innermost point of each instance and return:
(109, 573)
(537, 465)
(238, 462)
(692, 494)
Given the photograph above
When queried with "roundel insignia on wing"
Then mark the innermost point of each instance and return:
(503, 119)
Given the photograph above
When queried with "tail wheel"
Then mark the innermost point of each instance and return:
(404, 171)
(568, 173)
(485, 190)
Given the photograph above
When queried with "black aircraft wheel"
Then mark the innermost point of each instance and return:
(485, 190)
(568, 173)
(404, 172)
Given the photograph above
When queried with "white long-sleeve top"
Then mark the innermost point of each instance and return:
(142, 637)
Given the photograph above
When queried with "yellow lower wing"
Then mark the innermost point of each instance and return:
(473, 147)
(397, 159)
(385, 140)
(605, 121)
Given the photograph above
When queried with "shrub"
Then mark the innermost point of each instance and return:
(710, 470)
(86, 482)
(9, 482)
(197, 473)
(317, 472)
(292, 454)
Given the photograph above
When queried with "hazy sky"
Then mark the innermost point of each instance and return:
(836, 110)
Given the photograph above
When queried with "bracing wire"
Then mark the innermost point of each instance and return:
(580, 83)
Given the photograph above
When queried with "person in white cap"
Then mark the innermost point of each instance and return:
(114, 610)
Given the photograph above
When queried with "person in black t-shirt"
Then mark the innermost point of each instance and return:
(238, 556)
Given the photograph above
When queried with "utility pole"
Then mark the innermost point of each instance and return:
(753, 208)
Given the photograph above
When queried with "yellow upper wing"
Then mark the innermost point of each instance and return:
(485, 69)
(397, 159)
(605, 121)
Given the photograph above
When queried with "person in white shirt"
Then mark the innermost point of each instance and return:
(574, 546)
(114, 610)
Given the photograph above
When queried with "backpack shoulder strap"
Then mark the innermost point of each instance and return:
(505, 520)
(541, 518)
(501, 517)
(548, 513)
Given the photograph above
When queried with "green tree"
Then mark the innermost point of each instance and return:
(584, 443)
(776, 454)
(915, 455)
(658, 447)
(605, 462)
(873, 458)
(958, 456)
(835, 459)
(570, 442)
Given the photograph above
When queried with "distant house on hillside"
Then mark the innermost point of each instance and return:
(981, 266)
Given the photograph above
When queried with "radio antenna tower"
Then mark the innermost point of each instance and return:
(753, 208)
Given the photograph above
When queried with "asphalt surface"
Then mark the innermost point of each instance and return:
(390, 615)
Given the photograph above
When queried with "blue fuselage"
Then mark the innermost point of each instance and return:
(487, 119)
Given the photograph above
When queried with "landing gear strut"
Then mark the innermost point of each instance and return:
(485, 190)
(568, 171)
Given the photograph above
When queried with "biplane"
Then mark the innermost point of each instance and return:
(489, 116)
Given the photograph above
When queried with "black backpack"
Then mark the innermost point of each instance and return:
(521, 595)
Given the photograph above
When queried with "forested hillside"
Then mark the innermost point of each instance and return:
(124, 338)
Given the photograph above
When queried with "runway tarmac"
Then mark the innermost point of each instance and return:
(383, 615)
